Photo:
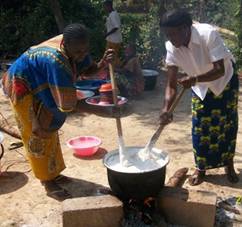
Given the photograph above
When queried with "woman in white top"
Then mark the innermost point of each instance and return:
(199, 51)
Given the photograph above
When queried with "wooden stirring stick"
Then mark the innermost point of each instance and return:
(156, 135)
(118, 120)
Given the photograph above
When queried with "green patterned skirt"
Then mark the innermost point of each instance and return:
(215, 126)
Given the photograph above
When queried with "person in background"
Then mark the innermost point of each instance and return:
(113, 34)
(40, 85)
(130, 79)
(199, 51)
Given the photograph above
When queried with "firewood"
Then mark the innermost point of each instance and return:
(10, 132)
(178, 178)
(7, 128)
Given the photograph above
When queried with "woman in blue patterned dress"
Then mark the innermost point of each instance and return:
(40, 85)
(208, 68)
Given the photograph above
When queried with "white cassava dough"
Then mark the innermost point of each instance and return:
(137, 163)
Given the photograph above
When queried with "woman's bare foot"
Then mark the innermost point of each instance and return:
(54, 191)
(231, 174)
(197, 177)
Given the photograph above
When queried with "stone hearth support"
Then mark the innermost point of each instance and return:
(179, 206)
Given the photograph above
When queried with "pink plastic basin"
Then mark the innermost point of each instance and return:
(84, 145)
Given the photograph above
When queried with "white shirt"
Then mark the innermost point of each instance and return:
(113, 21)
(205, 47)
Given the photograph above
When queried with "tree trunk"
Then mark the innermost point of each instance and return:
(56, 9)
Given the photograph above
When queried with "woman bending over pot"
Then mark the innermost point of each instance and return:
(40, 85)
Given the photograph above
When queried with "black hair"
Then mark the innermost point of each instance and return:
(176, 18)
(108, 2)
(73, 32)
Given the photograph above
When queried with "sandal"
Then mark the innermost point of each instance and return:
(15, 145)
(54, 191)
(197, 177)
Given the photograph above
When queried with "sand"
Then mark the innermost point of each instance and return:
(23, 200)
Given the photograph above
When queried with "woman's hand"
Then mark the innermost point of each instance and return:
(108, 56)
(166, 118)
(185, 80)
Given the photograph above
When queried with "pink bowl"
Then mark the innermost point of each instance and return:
(84, 145)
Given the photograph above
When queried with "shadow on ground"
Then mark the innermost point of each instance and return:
(81, 188)
(145, 108)
(97, 156)
(221, 179)
(12, 181)
(154, 102)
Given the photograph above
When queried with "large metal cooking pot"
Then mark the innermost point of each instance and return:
(135, 185)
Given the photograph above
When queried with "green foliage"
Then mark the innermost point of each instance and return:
(144, 31)
(24, 23)
(89, 13)
(21, 27)
(33, 22)
(238, 24)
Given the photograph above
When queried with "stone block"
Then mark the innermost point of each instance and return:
(192, 208)
(92, 211)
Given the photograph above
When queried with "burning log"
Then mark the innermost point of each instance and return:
(142, 214)
(178, 178)
(145, 213)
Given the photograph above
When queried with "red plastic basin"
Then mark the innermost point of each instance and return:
(84, 145)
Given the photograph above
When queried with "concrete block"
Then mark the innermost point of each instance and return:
(92, 211)
(191, 208)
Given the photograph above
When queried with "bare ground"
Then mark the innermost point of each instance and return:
(23, 200)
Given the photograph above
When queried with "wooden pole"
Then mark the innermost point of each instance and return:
(118, 120)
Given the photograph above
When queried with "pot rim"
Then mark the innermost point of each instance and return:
(1, 137)
(110, 153)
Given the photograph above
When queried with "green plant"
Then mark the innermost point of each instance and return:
(32, 22)
(144, 31)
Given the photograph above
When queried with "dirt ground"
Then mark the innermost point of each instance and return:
(23, 200)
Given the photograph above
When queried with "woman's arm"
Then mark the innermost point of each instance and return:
(170, 94)
(171, 87)
(96, 67)
(214, 74)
